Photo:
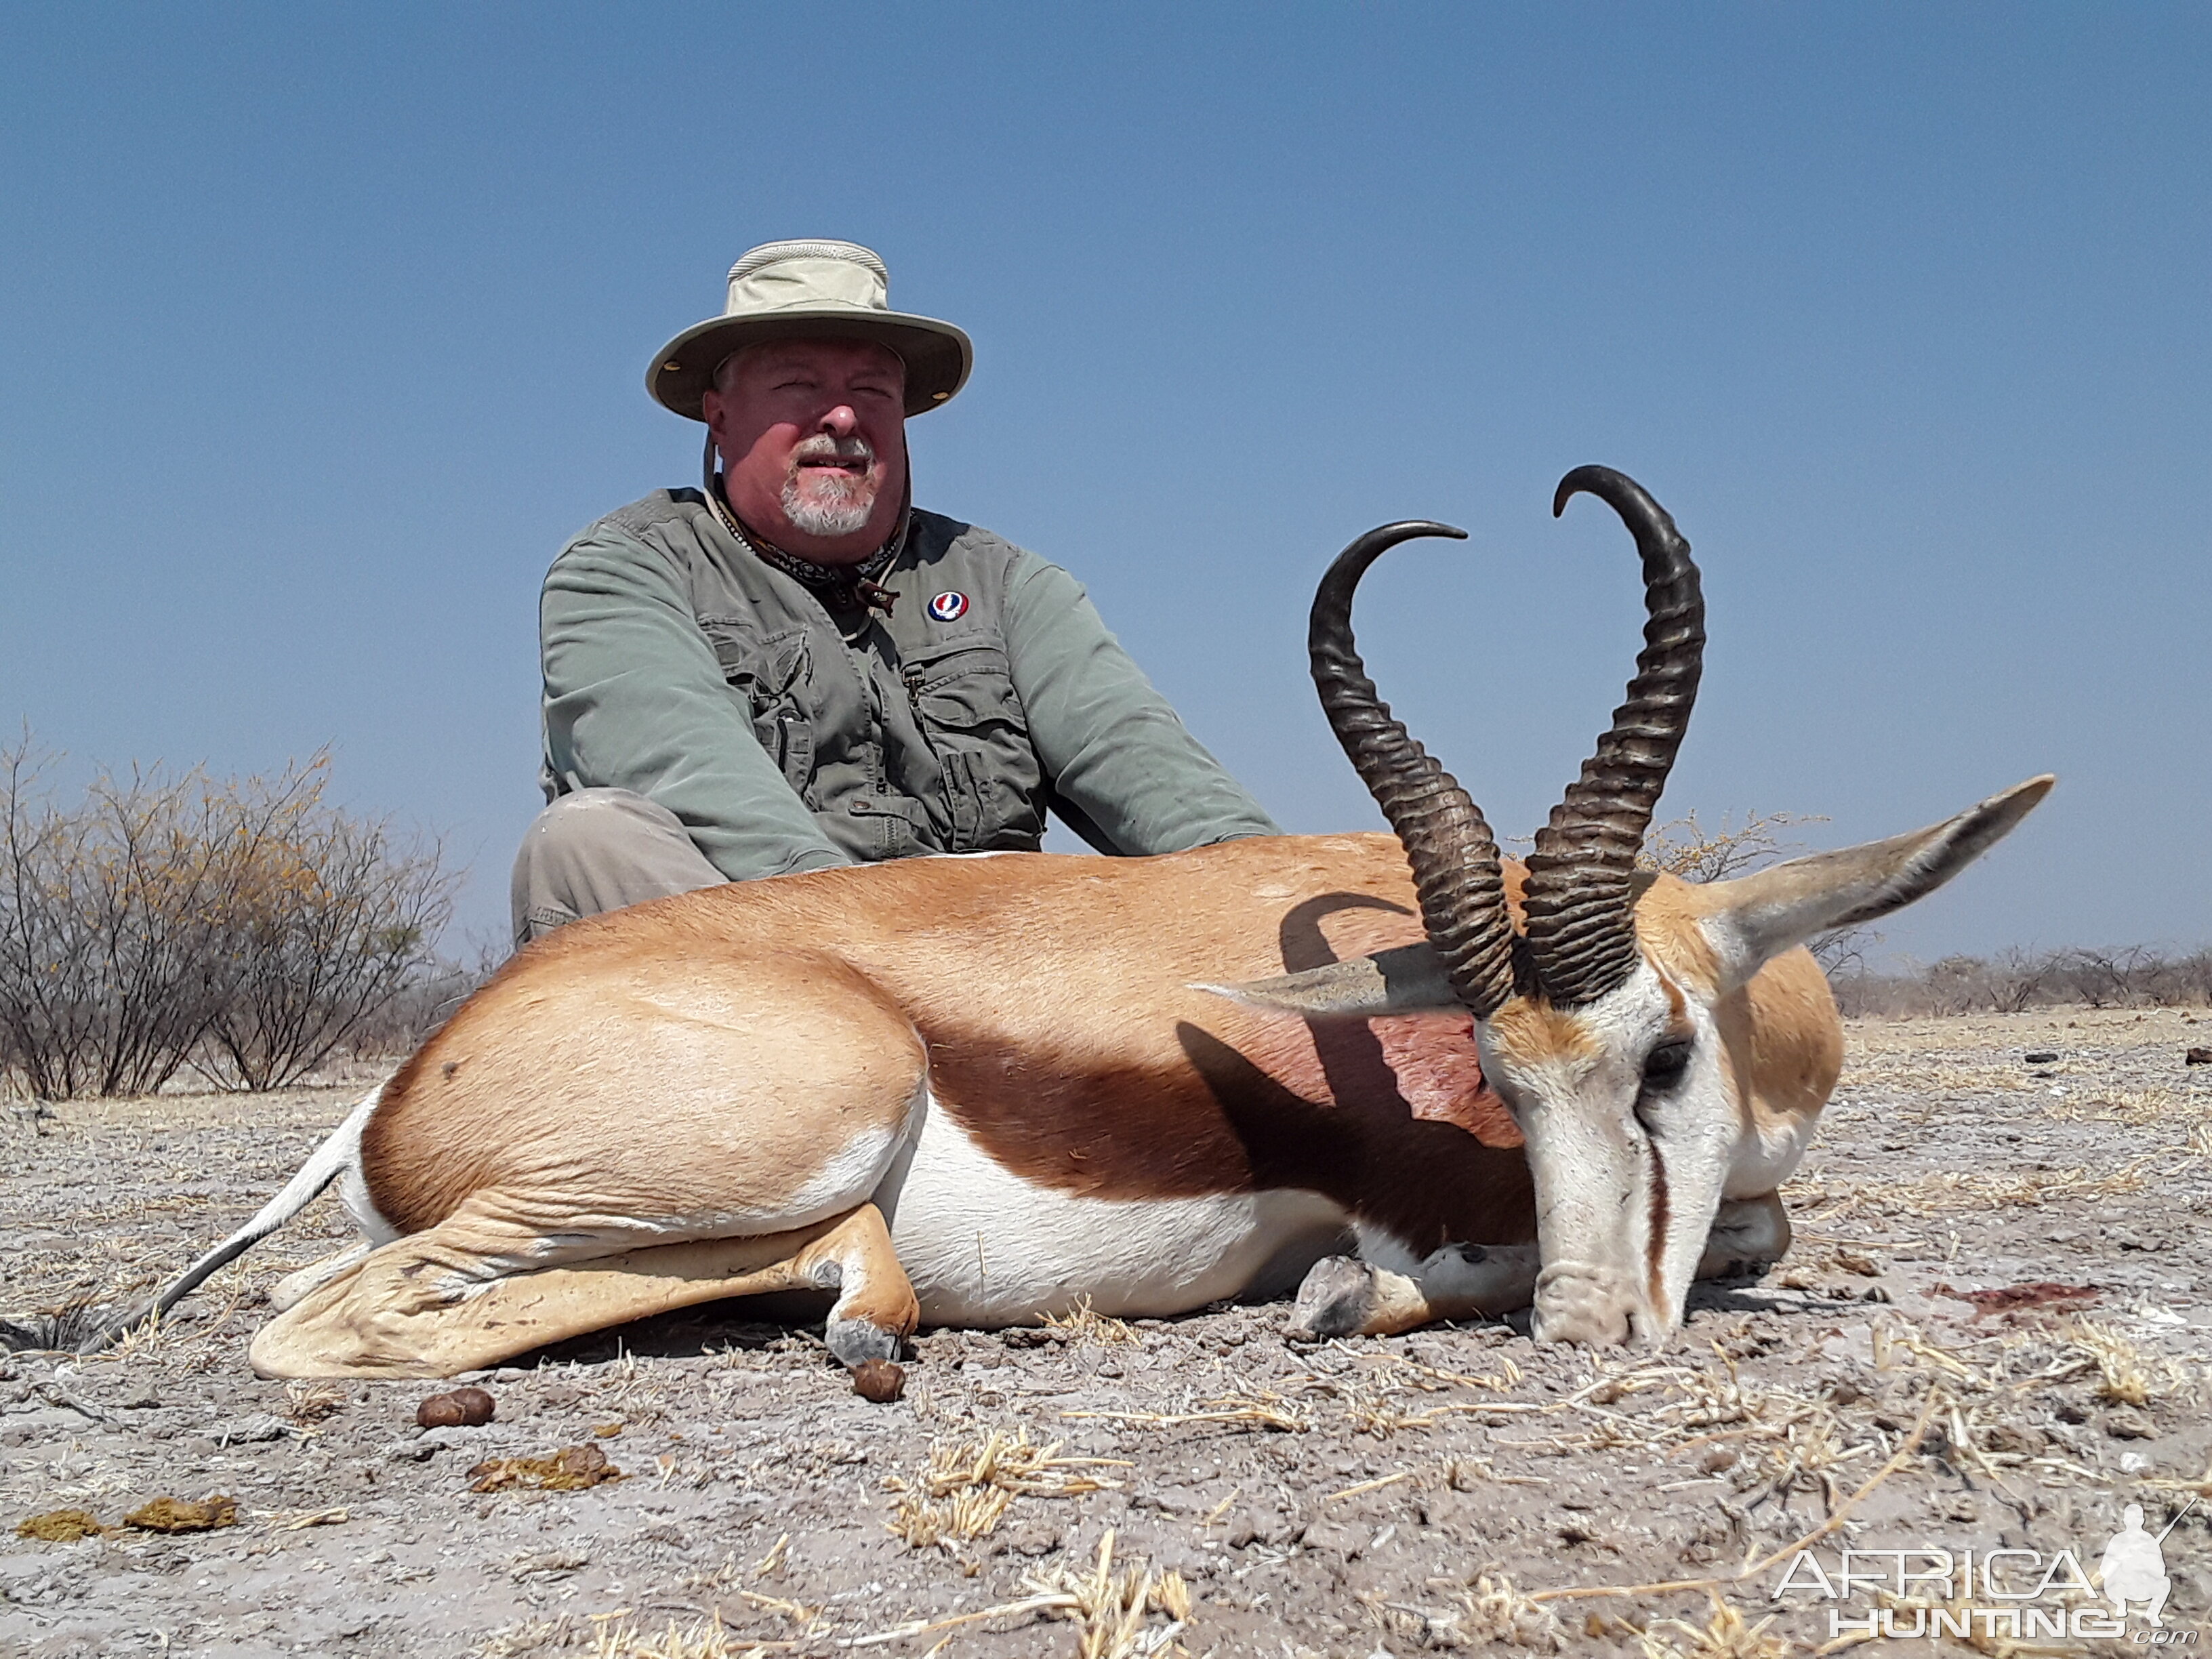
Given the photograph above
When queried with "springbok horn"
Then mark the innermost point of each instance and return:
(1582, 937)
(1454, 860)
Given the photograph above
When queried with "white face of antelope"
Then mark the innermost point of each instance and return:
(1631, 1123)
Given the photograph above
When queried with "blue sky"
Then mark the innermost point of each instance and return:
(321, 328)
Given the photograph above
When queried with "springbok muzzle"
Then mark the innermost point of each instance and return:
(1579, 1303)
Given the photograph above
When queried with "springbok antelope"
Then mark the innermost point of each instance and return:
(971, 1092)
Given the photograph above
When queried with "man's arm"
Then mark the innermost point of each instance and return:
(1118, 756)
(635, 700)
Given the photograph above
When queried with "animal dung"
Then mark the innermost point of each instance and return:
(570, 1470)
(462, 1408)
(2041, 1057)
(878, 1381)
(2197, 1057)
(61, 1527)
(175, 1515)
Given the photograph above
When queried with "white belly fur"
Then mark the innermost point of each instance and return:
(984, 1246)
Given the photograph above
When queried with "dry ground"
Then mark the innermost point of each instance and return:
(1247, 1495)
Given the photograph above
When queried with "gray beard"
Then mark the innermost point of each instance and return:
(835, 509)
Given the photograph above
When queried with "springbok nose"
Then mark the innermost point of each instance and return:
(1583, 1304)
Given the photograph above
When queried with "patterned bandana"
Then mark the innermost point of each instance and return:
(839, 587)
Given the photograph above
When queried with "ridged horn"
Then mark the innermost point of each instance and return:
(1581, 935)
(1453, 855)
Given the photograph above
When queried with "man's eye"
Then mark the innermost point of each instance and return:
(1664, 1066)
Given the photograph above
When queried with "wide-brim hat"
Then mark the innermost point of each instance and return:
(810, 290)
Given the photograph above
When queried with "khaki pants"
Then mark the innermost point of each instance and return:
(600, 849)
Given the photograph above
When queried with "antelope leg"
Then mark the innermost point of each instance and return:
(452, 1298)
(1749, 1235)
(1344, 1296)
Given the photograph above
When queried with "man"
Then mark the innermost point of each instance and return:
(792, 668)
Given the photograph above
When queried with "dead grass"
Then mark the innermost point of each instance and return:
(1726, 1635)
(2127, 1374)
(969, 1485)
(1486, 1613)
(1109, 1609)
(307, 1402)
(1084, 1324)
(618, 1637)
(1263, 1408)
(1954, 1191)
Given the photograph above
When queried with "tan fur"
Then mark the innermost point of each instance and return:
(1784, 1035)
(412, 1309)
(632, 1115)
(1535, 1034)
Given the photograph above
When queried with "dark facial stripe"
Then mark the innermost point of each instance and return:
(1658, 1244)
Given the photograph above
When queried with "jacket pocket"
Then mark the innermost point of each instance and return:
(965, 701)
(772, 675)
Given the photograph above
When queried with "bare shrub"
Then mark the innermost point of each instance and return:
(2014, 980)
(1741, 844)
(1686, 849)
(237, 924)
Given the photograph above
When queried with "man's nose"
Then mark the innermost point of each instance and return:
(841, 422)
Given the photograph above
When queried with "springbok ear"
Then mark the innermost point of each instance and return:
(1408, 980)
(1755, 918)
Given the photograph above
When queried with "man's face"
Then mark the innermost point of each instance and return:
(812, 435)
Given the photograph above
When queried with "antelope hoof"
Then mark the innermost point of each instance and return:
(856, 1341)
(1337, 1298)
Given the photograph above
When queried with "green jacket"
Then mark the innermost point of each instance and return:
(679, 665)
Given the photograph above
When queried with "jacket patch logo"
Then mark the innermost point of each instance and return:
(949, 607)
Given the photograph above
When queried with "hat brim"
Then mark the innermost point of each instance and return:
(938, 355)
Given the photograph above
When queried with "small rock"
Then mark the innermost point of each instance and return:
(144, 1398)
(412, 1451)
(1337, 1539)
(2041, 1057)
(2197, 1057)
(2133, 1463)
(547, 1563)
(2014, 1437)
(2125, 1423)
(250, 1430)
(1036, 1535)
(878, 1381)
(1717, 1458)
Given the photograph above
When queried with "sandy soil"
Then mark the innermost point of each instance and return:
(1435, 1492)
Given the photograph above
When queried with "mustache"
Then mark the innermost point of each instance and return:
(822, 447)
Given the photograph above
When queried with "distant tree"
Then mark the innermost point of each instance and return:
(241, 926)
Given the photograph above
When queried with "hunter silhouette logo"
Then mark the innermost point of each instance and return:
(2134, 1567)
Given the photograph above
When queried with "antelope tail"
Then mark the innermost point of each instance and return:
(87, 1332)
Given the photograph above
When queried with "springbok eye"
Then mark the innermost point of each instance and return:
(1664, 1066)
